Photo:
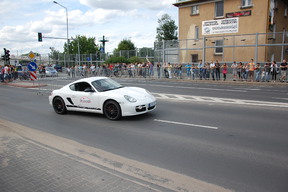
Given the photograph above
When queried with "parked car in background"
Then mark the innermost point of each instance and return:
(58, 68)
(51, 72)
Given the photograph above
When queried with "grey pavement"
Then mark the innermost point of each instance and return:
(28, 166)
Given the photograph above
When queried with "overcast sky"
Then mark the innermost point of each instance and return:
(21, 20)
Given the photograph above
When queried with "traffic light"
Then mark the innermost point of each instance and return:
(7, 55)
(40, 37)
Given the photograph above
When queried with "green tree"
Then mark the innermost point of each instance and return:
(54, 54)
(167, 29)
(86, 45)
(126, 44)
(126, 47)
(135, 60)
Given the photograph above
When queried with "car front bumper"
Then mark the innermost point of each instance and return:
(130, 109)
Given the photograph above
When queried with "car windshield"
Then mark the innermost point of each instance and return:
(50, 69)
(102, 85)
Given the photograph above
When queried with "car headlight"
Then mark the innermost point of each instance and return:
(130, 99)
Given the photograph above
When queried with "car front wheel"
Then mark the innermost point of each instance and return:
(112, 110)
(59, 105)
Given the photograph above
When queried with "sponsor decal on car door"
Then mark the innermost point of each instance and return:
(85, 100)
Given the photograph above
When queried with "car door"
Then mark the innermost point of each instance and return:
(84, 97)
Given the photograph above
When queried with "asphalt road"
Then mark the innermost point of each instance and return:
(238, 142)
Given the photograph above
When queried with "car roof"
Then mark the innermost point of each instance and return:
(90, 79)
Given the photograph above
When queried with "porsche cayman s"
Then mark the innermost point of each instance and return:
(102, 95)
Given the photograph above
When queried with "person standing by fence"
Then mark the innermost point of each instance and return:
(267, 68)
(212, 68)
(257, 71)
(239, 70)
(283, 67)
(207, 75)
(217, 70)
(188, 70)
(274, 69)
(224, 70)
(234, 67)
(194, 69)
(251, 67)
(200, 67)
(158, 69)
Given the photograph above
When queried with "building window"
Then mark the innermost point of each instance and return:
(219, 9)
(246, 3)
(285, 12)
(219, 50)
(196, 32)
(194, 58)
(195, 10)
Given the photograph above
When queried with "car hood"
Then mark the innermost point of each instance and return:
(136, 92)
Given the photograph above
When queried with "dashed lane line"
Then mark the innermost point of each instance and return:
(186, 124)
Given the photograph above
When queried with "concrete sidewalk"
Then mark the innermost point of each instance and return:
(33, 160)
(27, 165)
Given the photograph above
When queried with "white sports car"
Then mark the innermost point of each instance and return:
(102, 95)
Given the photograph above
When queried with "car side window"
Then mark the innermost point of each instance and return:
(81, 86)
(72, 87)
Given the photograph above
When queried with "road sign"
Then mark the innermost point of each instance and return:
(31, 55)
(32, 66)
(33, 76)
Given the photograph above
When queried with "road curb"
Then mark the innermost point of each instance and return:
(26, 85)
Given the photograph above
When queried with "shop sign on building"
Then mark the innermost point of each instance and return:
(220, 26)
(239, 14)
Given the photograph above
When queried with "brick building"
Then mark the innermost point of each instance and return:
(228, 30)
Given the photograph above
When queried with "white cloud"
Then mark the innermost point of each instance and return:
(117, 19)
(127, 4)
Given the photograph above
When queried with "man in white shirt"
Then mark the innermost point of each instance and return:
(212, 67)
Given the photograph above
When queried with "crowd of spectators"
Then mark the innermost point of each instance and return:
(270, 71)
(9, 72)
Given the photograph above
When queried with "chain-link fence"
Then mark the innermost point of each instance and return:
(226, 49)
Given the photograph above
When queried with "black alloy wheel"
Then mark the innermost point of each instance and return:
(112, 110)
(59, 105)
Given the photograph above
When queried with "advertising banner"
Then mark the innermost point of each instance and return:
(221, 26)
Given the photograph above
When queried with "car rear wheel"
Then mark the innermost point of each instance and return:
(59, 105)
(112, 110)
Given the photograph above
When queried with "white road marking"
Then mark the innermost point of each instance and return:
(173, 97)
(186, 124)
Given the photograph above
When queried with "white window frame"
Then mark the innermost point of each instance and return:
(217, 42)
(195, 10)
(216, 9)
(246, 3)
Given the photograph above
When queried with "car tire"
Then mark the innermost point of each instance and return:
(112, 110)
(59, 105)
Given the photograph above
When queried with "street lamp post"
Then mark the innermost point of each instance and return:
(66, 26)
